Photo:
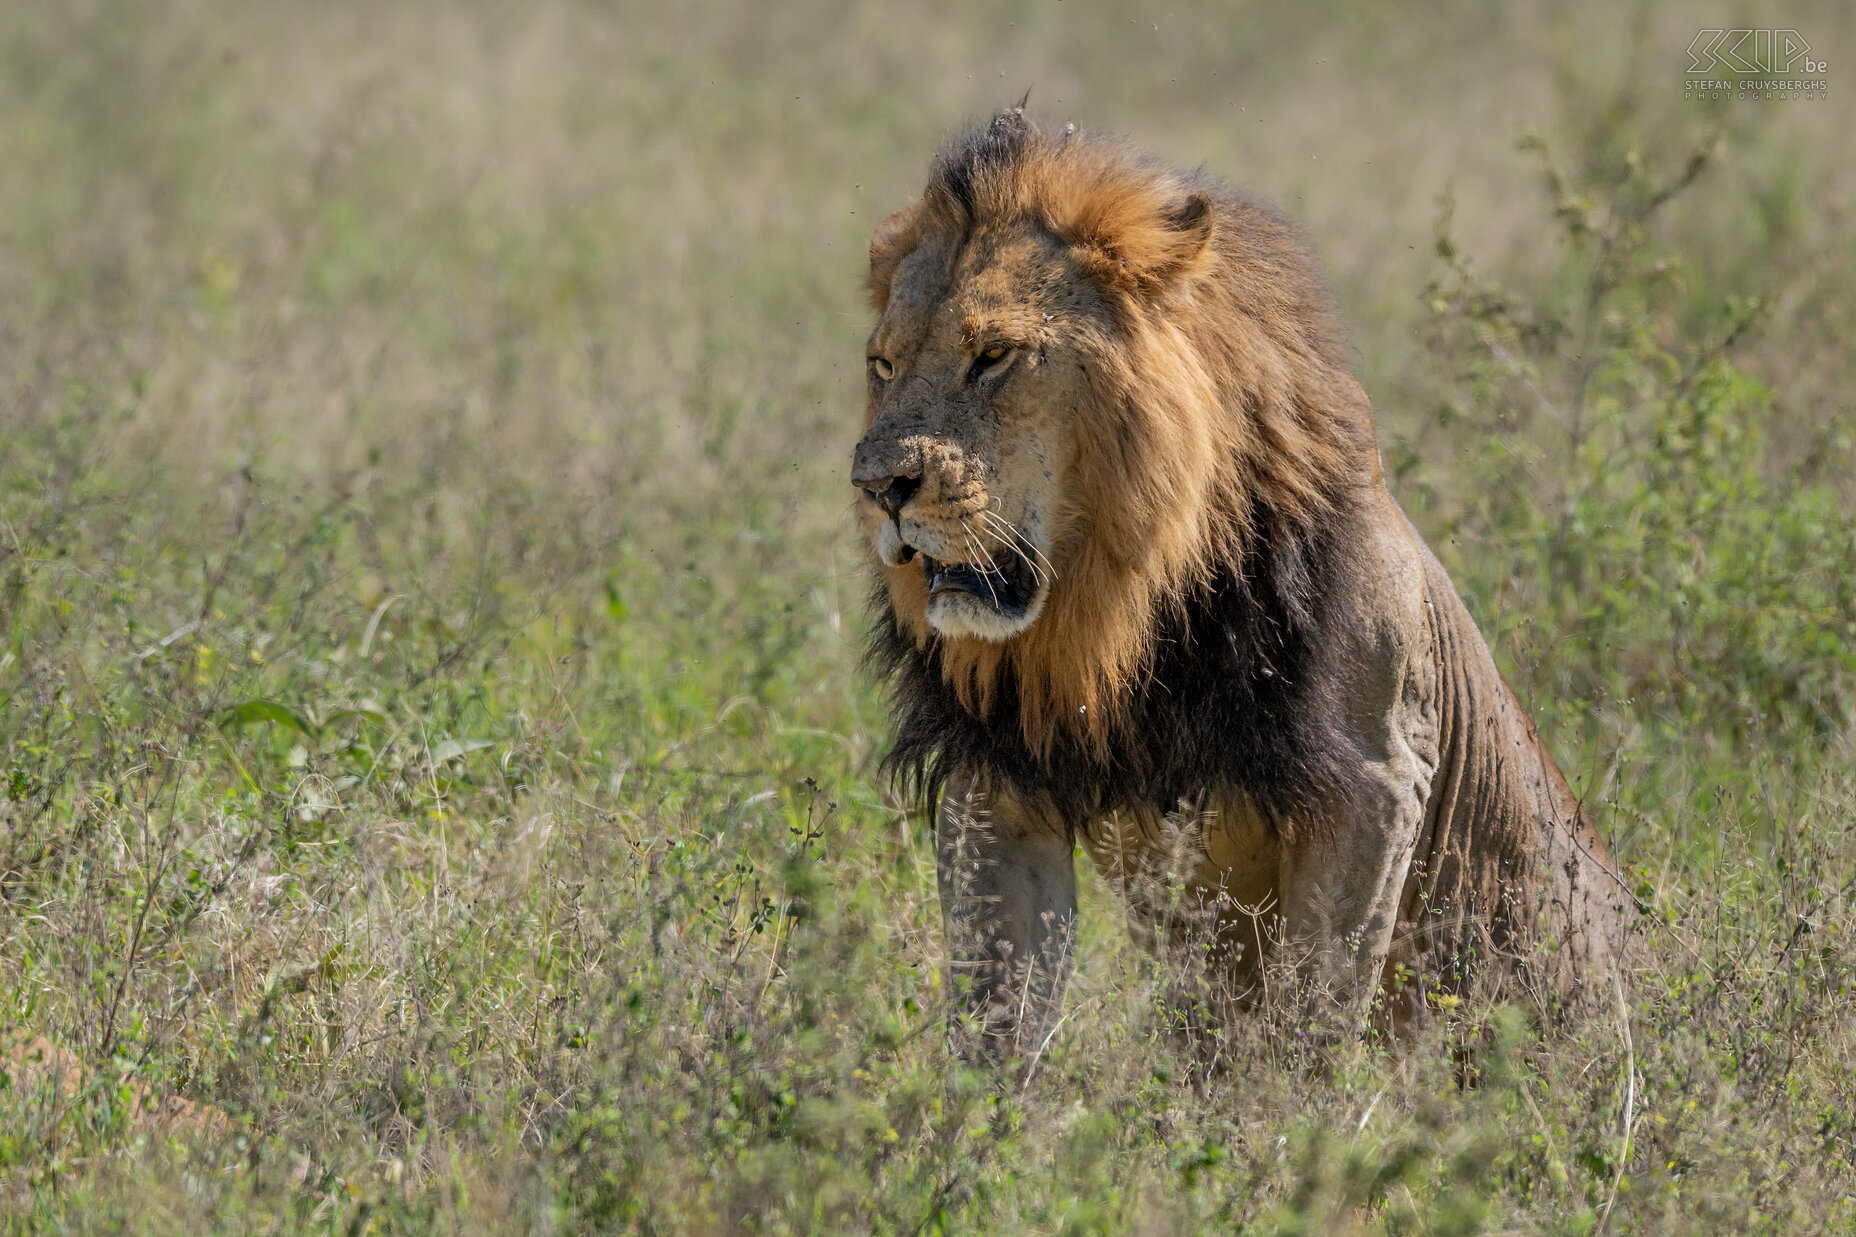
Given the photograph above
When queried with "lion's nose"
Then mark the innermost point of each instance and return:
(891, 493)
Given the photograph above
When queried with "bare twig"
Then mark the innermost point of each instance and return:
(1630, 1104)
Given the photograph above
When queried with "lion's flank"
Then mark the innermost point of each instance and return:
(1218, 461)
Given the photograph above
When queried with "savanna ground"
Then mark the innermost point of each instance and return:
(437, 791)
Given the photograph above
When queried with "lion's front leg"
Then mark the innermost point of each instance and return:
(1340, 904)
(1008, 908)
(1343, 881)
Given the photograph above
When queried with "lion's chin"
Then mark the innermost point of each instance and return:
(955, 613)
(994, 601)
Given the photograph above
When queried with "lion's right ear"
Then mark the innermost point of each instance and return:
(1138, 243)
(896, 237)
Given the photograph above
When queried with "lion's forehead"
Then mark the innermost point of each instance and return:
(1009, 288)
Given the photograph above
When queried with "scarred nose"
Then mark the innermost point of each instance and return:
(891, 482)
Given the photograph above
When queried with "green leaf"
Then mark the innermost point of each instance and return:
(364, 713)
(241, 715)
(452, 749)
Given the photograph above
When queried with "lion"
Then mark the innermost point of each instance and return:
(1138, 569)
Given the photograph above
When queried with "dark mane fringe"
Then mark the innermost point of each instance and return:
(1237, 696)
(981, 156)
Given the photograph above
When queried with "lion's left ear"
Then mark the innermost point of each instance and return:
(895, 238)
(1136, 247)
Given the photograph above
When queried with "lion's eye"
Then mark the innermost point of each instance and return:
(991, 359)
(881, 367)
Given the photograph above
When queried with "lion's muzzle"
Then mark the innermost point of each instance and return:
(1005, 581)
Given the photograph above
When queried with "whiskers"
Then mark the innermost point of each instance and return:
(1041, 569)
(983, 557)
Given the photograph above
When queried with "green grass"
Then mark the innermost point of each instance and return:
(431, 735)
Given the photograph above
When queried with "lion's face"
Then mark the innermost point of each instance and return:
(973, 391)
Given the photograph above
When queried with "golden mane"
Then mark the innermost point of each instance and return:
(1222, 411)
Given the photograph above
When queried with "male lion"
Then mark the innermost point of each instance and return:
(1140, 568)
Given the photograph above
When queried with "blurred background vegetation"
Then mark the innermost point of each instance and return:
(436, 788)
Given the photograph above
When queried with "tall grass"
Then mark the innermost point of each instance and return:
(437, 792)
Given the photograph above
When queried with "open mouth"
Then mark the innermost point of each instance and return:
(1008, 586)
